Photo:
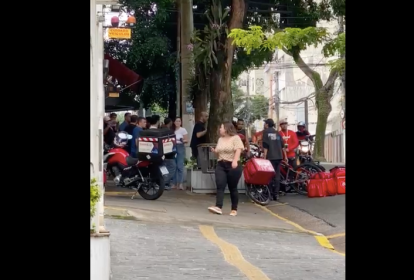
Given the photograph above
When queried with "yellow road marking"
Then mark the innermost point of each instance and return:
(322, 239)
(119, 193)
(233, 255)
(279, 204)
(335, 235)
(114, 208)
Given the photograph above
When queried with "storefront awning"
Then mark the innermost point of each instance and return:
(125, 76)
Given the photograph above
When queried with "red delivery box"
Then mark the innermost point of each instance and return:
(330, 185)
(338, 174)
(258, 171)
(317, 186)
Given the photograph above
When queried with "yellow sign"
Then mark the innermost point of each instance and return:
(119, 33)
(114, 94)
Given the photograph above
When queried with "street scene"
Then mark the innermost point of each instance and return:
(217, 139)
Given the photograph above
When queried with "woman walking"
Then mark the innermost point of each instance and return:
(228, 172)
(181, 136)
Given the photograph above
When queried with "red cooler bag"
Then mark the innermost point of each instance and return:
(338, 174)
(329, 181)
(316, 187)
(258, 171)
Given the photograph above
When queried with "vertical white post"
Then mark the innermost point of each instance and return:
(101, 113)
(94, 136)
(344, 145)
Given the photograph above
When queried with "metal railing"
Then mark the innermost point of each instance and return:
(207, 159)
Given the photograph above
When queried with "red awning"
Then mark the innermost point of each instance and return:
(123, 74)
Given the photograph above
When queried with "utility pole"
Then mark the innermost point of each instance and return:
(277, 97)
(342, 30)
(178, 95)
(306, 114)
(247, 99)
(186, 31)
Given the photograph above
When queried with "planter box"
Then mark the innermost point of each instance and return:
(100, 257)
(198, 182)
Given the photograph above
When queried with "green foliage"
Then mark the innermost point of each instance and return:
(191, 163)
(249, 108)
(207, 43)
(334, 47)
(158, 110)
(150, 52)
(95, 195)
(292, 41)
(338, 7)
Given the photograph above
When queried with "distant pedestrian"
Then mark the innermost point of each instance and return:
(181, 136)
(273, 151)
(199, 136)
(127, 119)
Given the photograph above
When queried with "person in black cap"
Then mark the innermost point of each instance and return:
(273, 151)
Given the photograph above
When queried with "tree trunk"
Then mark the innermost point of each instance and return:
(221, 104)
(323, 104)
(323, 95)
(201, 96)
(200, 103)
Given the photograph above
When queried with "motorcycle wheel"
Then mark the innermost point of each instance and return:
(260, 194)
(155, 186)
(305, 171)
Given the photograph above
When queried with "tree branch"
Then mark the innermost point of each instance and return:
(330, 82)
(287, 52)
(311, 74)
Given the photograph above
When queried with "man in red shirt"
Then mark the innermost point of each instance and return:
(291, 142)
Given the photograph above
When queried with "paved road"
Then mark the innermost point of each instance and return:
(329, 209)
(145, 250)
(325, 215)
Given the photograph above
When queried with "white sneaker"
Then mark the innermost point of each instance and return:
(215, 210)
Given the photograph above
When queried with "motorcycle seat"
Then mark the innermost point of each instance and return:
(131, 160)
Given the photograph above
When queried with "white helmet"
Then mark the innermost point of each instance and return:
(121, 139)
(301, 124)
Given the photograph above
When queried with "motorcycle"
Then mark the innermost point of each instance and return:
(129, 172)
(304, 152)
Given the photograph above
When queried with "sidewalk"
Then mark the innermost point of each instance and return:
(191, 209)
(179, 206)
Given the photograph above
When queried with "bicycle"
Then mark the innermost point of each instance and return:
(295, 180)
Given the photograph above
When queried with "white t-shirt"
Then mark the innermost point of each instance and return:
(179, 133)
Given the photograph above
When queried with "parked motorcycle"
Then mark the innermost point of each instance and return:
(145, 177)
(304, 152)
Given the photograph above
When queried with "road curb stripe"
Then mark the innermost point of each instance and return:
(233, 255)
(120, 193)
(335, 235)
(322, 239)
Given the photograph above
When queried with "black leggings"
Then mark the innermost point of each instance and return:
(226, 175)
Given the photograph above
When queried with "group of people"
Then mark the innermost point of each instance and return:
(233, 141)
(134, 124)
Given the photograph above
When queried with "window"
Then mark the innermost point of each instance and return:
(300, 113)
